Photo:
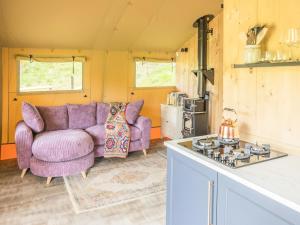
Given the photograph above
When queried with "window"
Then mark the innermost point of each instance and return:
(50, 75)
(155, 73)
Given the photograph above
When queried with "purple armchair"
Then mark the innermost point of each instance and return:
(67, 138)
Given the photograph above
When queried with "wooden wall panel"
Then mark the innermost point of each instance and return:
(215, 60)
(186, 62)
(267, 99)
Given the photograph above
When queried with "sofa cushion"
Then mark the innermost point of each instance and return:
(55, 117)
(32, 117)
(82, 116)
(133, 110)
(102, 112)
(62, 145)
(98, 134)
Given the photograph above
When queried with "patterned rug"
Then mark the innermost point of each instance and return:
(113, 182)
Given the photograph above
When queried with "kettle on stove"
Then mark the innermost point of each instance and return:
(228, 129)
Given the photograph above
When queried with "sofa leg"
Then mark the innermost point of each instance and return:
(145, 152)
(49, 180)
(23, 172)
(83, 173)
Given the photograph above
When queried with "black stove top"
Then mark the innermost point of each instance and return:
(232, 153)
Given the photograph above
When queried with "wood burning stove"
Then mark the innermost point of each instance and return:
(195, 110)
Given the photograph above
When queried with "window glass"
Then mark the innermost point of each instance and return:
(50, 76)
(155, 74)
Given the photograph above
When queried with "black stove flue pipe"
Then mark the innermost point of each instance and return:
(203, 73)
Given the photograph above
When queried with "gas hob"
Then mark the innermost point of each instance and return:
(232, 153)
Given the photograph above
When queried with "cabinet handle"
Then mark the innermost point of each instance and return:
(210, 203)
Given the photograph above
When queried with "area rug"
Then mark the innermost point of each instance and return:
(113, 182)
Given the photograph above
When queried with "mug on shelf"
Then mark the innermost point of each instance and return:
(252, 53)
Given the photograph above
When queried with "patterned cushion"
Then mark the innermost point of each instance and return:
(82, 116)
(62, 145)
(133, 111)
(55, 117)
(32, 117)
(102, 112)
(98, 134)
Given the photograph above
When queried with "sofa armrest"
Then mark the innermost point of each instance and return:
(24, 140)
(144, 124)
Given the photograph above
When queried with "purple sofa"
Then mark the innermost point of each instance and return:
(63, 140)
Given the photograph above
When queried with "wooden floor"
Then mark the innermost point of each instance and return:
(31, 202)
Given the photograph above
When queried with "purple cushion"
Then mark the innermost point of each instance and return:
(32, 117)
(62, 145)
(55, 117)
(98, 134)
(133, 111)
(82, 116)
(102, 112)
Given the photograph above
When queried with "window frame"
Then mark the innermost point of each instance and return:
(150, 60)
(19, 92)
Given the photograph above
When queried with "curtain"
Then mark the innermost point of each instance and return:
(51, 58)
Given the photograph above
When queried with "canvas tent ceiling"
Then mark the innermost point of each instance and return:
(101, 24)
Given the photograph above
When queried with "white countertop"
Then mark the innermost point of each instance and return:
(278, 179)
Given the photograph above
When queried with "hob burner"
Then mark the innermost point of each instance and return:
(242, 156)
(257, 149)
(229, 141)
(206, 144)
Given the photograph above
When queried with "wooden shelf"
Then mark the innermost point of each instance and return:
(266, 64)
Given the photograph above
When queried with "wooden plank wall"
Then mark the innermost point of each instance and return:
(186, 62)
(267, 99)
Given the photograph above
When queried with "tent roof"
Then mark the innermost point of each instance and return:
(161, 25)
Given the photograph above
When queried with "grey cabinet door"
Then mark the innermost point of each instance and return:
(239, 205)
(191, 192)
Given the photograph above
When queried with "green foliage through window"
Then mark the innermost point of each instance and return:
(50, 76)
(155, 74)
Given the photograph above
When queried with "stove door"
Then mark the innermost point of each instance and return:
(188, 125)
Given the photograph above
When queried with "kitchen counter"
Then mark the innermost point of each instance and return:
(277, 179)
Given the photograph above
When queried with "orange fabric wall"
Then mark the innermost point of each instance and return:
(8, 151)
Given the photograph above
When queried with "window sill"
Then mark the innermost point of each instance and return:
(50, 92)
(154, 88)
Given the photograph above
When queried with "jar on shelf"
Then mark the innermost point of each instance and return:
(252, 53)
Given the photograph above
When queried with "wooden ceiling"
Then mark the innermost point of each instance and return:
(160, 25)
